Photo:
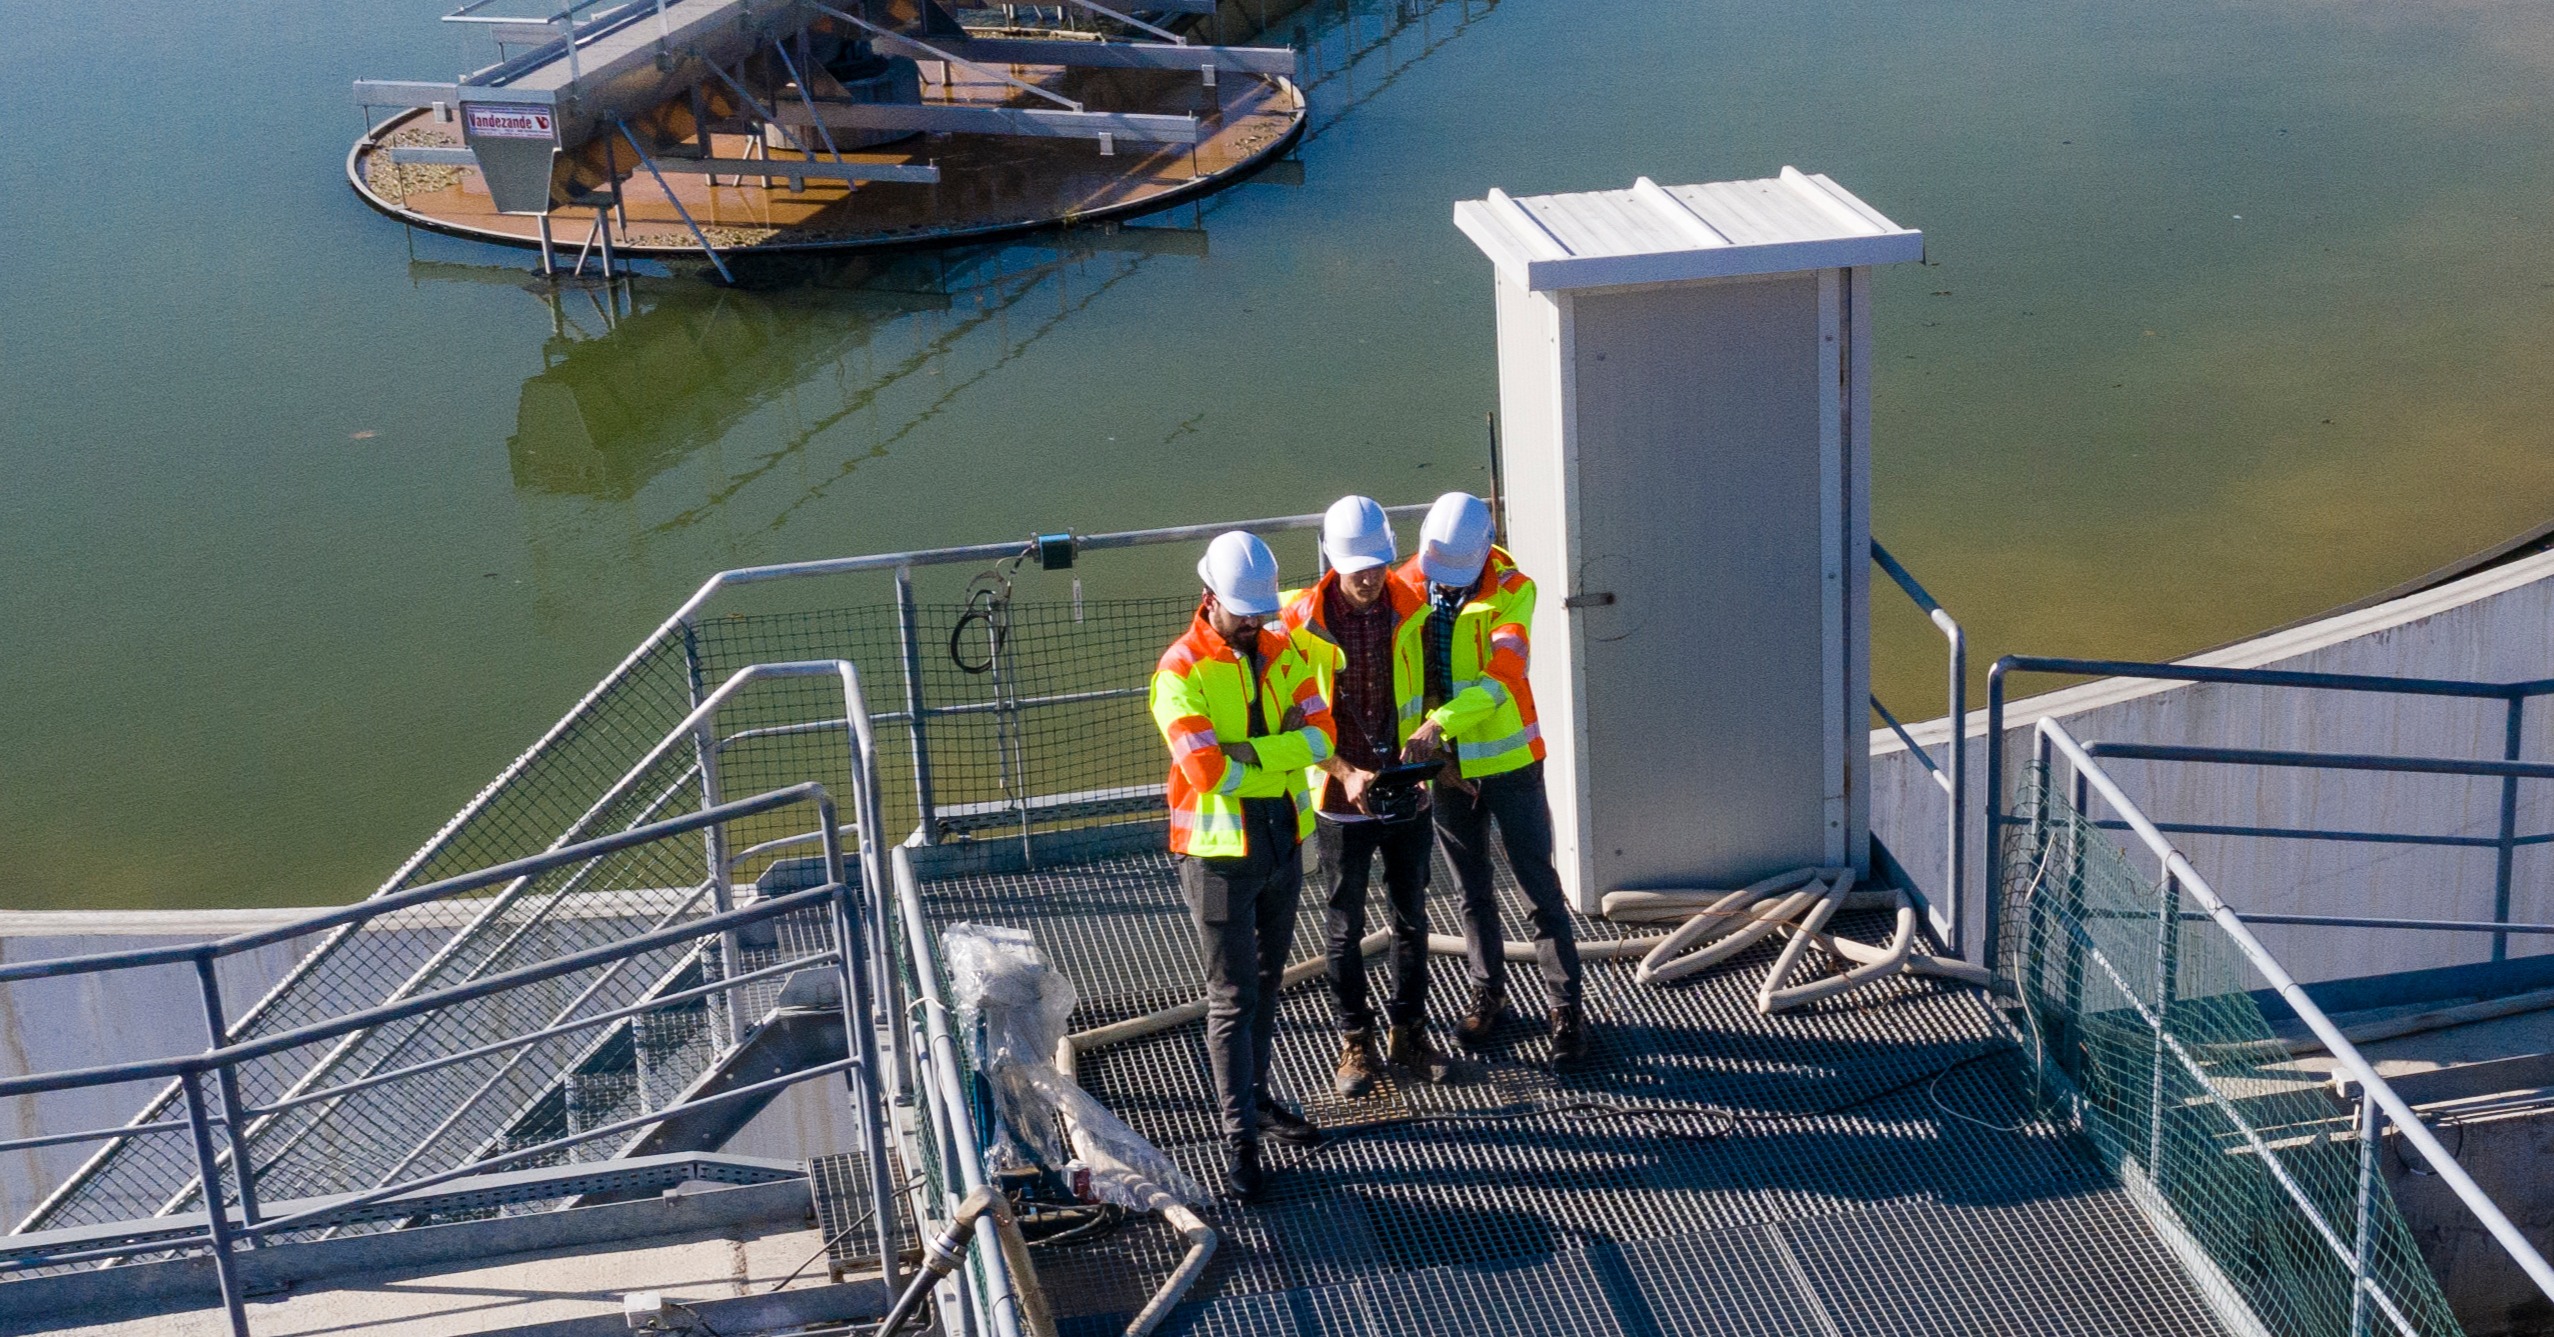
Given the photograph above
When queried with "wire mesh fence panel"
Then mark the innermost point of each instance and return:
(2144, 1013)
(1034, 711)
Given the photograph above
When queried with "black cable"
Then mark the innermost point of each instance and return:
(837, 1238)
(993, 638)
(1103, 1221)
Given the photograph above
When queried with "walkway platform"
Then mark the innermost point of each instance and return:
(1866, 1165)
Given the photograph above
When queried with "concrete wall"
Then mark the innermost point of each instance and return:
(2497, 626)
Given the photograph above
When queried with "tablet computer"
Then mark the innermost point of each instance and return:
(1408, 773)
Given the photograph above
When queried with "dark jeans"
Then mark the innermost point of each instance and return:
(1515, 801)
(1244, 910)
(1347, 851)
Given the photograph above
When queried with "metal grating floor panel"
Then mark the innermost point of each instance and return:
(846, 1213)
(1873, 1165)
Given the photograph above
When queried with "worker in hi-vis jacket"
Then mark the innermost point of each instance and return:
(1480, 719)
(1371, 623)
(1239, 701)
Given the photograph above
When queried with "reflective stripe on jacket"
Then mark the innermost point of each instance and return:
(1203, 698)
(1490, 717)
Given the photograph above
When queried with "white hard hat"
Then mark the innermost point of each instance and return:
(1357, 536)
(1455, 540)
(1242, 572)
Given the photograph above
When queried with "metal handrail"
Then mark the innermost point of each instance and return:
(947, 1087)
(723, 985)
(2509, 769)
(224, 1234)
(180, 1065)
(2377, 1095)
(367, 910)
(686, 614)
(1956, 783)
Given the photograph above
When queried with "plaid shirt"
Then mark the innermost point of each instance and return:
(1362, 700)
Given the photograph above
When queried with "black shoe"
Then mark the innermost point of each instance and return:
(1359, 1069)
(1569, 1034)
(1243, 1179)
(1289, 1127)
(1482, 1021)
(1411, 1052)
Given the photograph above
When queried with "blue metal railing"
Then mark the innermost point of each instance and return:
(2351, 1246)
(2509, 769)
(226, 1230)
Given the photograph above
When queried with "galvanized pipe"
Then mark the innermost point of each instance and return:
(226, 1077)
(909, 647)
(943, 1056)
(2366, 1215)
(1956, 871)
(216, 1216)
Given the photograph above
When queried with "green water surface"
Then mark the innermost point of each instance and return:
(2235, 310)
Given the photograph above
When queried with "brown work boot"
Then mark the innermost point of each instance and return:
(1410, 1051)
(1482, 1020)
(1569, 1035)
(1359, 1068)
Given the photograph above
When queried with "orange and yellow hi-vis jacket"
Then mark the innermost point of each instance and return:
(1203, 697)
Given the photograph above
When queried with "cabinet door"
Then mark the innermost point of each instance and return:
(1698, 437)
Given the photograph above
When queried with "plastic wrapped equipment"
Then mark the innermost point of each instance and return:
(1018, 1006)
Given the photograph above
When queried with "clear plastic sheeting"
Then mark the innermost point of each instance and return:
(1016, 1006)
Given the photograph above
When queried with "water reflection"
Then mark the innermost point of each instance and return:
(624, 395)
(642, 374)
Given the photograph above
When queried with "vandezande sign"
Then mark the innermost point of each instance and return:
(514, 143)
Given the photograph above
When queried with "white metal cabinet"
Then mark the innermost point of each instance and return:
(1683, 395)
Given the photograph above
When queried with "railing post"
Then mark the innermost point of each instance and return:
(234, 1122)
(225, 1270)
(2360, 1317)
(2510, 748)
(860, 1034)
(1993, 896)
(2078, 832)
(909, 640)
(1957, 881)
(722, 892)
(2168, 920)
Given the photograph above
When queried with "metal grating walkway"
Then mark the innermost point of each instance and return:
(1867, 1166)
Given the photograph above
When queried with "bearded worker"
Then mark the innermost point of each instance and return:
(1238, 699)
